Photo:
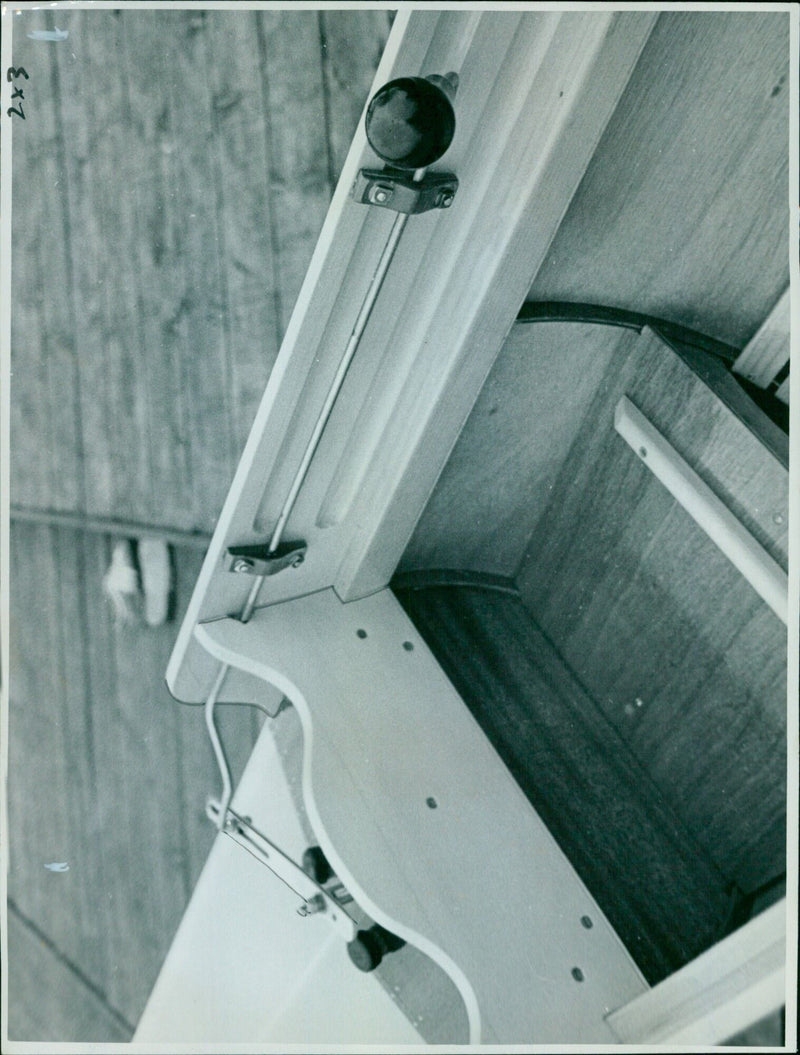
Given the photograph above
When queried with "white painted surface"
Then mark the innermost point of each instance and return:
(763, 573)
(734, 984)
(536, 91)
(477, 882)
(245, 968)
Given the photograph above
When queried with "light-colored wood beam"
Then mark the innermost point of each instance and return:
(768, 351)
(728, 988)
(763, 573)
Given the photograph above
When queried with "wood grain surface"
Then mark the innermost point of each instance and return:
(170, 181)
(170, 186)
(107, 774)
(673, 645)
(661, 893)
(683, 212)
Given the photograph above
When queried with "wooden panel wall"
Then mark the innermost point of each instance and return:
(170, 181)
(499, 477)
(107, 774)
(675, 647)
(684, 210)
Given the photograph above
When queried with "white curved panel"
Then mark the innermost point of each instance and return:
(424, 824)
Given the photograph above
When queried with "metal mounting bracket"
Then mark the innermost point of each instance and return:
(315, 897)
(260, 561)
(400, 192)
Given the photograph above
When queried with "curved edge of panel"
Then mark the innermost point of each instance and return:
(210, 637)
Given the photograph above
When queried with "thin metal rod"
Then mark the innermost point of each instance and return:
(249, 606)
(338, 380)
(216, 743)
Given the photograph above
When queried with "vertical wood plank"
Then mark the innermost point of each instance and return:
(352, 43)
(207, 361)
(50, 1000)
(294, 105)
(242, 161)
(51, 749)
(156, 268)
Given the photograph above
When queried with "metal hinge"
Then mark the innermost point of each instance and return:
(401, 193)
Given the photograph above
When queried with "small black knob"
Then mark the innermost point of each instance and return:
(368, 947)
(316, 865)
(410, 122)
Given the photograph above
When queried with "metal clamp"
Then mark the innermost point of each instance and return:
(262, 561)
(401, 193)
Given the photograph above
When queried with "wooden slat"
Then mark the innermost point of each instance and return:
(672, 644)
(44, 355)
(30, 426)
(251, 271)
(682, 213)
(104, 299)
(207, 367)
(156, 266)
(352, 45)
(48, 999)
(709, 512)
(293, 98)
(768, 350)
(50, 747)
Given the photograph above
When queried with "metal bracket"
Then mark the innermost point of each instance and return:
(315, 898)
(258, 560)
(401, 193)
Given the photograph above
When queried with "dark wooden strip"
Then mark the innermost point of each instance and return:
(30, 423)
(155, 267)
(663, 896)
(53, 807)
(49, 998)
(206, 364)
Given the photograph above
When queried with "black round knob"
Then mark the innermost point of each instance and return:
(366, 950)
(368, 947)
(410, 122)
(316, 865)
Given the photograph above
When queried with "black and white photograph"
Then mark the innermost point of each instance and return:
(399, 590)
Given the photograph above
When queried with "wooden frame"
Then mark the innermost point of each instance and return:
(536, 91)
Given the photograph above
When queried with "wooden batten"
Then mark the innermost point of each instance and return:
(536, 91)
(768, 352)
(738, 981)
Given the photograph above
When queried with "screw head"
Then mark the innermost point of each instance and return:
(298, 560)
(241, 565)
(380, 195)
(446, 199)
